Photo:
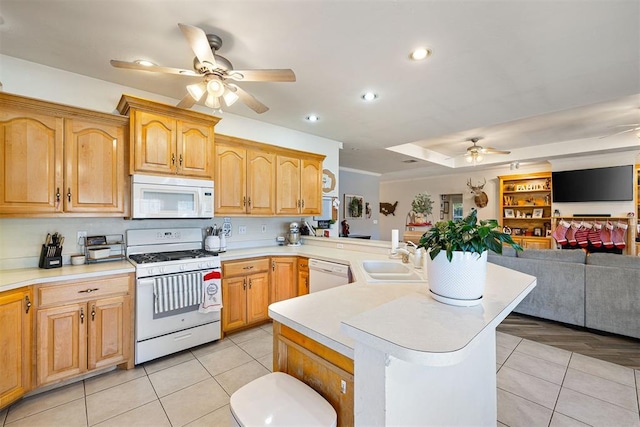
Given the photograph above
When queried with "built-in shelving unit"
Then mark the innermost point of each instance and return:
(525, 208)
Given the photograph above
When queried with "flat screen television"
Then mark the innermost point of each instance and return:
(611, 184)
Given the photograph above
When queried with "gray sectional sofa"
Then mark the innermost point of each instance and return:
(599, 291)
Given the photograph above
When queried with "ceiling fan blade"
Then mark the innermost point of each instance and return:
(199, 44)
(249, 100)
(186, 102)
(489, 150)
(620, 133)
(283, 75)
(153, 68)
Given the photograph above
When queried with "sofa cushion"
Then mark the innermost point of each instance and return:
(567, 255)
(506, 251)
(614, 260)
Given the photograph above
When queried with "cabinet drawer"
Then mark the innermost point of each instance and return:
(239, 268)
(82, 290)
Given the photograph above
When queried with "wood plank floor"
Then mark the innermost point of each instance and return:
(611, 348)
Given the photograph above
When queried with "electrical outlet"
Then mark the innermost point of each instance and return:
(339, 245)
(242, 229)
(264, 228)
(80, 237)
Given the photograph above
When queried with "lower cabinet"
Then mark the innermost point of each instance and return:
(82, 326)
(15, 344)
(245, 293)
(283, 278)
(303, 276)
(533, 242)
(321, 368)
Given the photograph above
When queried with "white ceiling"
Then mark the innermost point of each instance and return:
(536, 77)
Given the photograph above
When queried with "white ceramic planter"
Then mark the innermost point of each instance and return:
(459, 282)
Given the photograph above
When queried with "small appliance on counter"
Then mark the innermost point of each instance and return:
(294, 234)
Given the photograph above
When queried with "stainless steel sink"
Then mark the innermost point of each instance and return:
(379, 271)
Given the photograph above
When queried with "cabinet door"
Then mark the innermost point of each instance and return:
(230, 172)
(258, 297)
(283, 278)
(31, 162)
(15, 333)
(154, 141)
(533, 243)
(109, 323)
(61, 343)
(234, 303)
(288, 185)
(194, 150)
(261, 183)
(311, 187)
(94, 167)
(303, 276)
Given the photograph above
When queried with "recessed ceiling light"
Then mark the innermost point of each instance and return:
(420, 53)
(312, 118)
(369, 96)
(144, 62)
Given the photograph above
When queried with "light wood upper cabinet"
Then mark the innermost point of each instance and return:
(299, 185)
(245, 178)
(284, 278)
(16, 336)
(94, 167)
(83, 325)
(60, 160)
(167, 140)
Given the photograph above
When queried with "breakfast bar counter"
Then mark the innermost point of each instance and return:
(416, 360)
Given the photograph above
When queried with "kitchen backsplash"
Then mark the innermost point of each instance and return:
(22, 237)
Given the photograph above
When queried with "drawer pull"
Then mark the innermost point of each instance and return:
(88, 291)
(28, 301)
(248, 267)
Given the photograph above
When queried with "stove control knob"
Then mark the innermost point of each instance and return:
(183, 267)
(210, 264)
(161, 269)
(151, 270)
(200, 266)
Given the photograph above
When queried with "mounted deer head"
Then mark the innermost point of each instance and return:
(481, 199)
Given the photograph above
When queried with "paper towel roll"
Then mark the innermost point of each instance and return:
(394, 239)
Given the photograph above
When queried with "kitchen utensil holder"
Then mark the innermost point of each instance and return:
(52, 261)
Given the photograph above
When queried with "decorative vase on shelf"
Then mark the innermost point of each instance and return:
(456, 259)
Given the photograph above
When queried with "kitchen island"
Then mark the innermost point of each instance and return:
(417, 361)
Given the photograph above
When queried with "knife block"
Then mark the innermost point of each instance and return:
(54, 261)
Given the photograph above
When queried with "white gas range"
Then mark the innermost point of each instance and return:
(170, 268)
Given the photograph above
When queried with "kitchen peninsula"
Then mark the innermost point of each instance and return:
(417, 361)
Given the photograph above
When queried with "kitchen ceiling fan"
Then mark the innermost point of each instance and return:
(475, 153)
(217, 74)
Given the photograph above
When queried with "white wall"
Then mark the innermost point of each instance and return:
(362, 184)
(22, 237)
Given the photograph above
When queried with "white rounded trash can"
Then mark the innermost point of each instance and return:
(278, 400)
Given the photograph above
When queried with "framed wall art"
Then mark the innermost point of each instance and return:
(353, 206)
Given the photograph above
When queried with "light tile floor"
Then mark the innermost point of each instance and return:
(538, 385)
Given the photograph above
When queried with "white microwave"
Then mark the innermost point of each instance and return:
(170, 197)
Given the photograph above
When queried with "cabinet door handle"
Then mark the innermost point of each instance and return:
(249, 201)
(81, 315)
(28, 303)
(273, 265)
(180, 160)
(244, 201)
(302, 203)
(69, 194)
(88, 291)
(298, 202)
(93, 312)
(58, 195)
(244, 284)
(306, 283)
(173, 159)
(249, 283)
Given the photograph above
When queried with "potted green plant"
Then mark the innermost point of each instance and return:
(421, 206)
(457, 257)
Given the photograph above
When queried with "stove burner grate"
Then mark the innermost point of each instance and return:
(171, 256)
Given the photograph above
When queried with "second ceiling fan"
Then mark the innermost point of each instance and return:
(218, 76)
(475, 153)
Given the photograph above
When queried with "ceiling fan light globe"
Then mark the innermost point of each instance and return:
(469, 159)
(212, 102)
(479, 158)
(229, 97)
(215, 88)
(197, 90)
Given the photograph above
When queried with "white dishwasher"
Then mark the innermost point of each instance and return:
(324, 275)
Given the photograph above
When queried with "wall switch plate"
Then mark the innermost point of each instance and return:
(80, 237)
(242, 229)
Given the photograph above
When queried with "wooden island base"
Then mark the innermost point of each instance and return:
(326, 371)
